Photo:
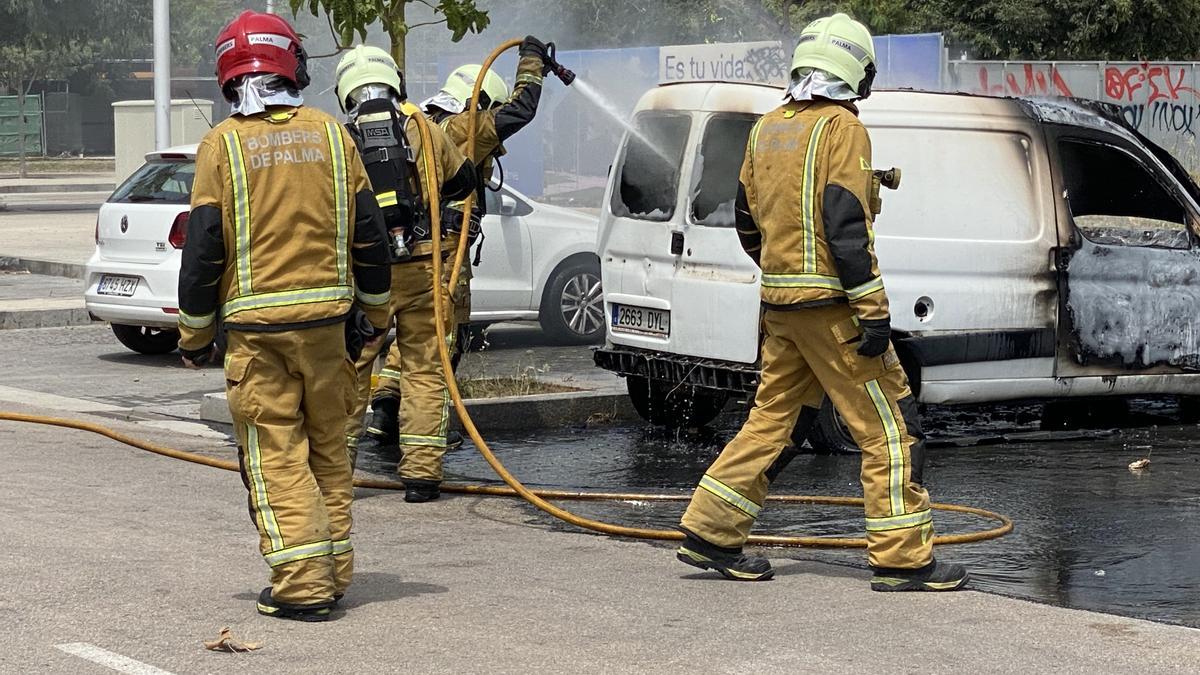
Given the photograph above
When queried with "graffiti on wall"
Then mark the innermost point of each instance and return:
(1034, 80)
(762, 62)
(1161, 100)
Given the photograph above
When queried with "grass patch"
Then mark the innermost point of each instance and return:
(56, 165)
(496, 387)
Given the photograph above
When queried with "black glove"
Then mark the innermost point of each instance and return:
(201, 357)
(876, 336)
(359, 332)
(534, 47)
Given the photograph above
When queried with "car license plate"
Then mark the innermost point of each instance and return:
(111, 284)
(643, 320)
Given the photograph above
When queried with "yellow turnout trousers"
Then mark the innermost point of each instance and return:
(808, 353)
(425, 401)
(289, 394)
(389, 375)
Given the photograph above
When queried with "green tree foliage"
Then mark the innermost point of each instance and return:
(351, 17)
(1028, 29)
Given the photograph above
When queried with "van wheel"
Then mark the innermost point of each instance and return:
(829, 434)
(666, 405)
(572, 310)
(146, 340)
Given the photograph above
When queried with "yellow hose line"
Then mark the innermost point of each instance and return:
(515, 487)
(441, 309)
(471, 132)
(1005, 527)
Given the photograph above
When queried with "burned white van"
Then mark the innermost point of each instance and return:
(1034, 249)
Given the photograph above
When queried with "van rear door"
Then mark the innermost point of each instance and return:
(674, 282)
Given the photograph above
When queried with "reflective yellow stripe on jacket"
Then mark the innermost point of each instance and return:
(809, 196)
(241, 210)
(341, 200)
(302, 296)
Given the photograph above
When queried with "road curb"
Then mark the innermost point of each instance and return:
(51, 268)
(44, 318)
(56, 187)
(511, 413)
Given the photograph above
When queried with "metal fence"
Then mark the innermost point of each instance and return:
(12, 128)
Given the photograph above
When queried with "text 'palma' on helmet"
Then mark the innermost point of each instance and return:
(840, 46)
(260, 43)
(366, 65)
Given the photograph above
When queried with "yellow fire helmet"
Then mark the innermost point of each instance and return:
(840, 46)
(461, 83)
(365, 65)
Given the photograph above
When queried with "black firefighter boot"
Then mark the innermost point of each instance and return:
(417, 491)
(384, 425)
(732, 563)
(936, 576)
(268, 606)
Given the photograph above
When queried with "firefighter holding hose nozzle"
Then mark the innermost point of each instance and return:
(371, 91)
(500, 116)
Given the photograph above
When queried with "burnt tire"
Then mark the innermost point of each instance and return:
(666, 405)
(572, 309)
(829, 434)
(146, 340)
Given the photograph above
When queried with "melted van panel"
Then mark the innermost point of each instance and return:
(1134, 306)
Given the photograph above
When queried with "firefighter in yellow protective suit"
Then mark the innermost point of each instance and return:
(803, 214)
(371, 91)
(501, 115)
(286, 246)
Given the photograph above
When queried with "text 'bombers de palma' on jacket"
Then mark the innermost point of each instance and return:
(494, 126)
(284, 230)
(803, 208)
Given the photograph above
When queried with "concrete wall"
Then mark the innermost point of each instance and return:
(134, 129)
(1161, 99)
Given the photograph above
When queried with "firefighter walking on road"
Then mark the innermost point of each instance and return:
(370, 89)
(501, 115)
(286, 247)
(803, 214)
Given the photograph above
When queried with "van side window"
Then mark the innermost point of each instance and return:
(718, 164)
(1116, 200)
(648, 179)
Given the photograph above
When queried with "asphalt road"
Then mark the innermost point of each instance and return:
(125, 558)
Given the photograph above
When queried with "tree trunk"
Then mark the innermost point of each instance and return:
(396, 31)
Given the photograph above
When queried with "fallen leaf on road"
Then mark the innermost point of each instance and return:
(1140, 465)
(227, 643)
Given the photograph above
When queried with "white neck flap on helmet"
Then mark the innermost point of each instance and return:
(812, 83)
(256, 92)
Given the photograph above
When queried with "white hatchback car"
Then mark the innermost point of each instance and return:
(538, 260)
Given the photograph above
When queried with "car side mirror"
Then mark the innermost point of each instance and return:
(508, 206)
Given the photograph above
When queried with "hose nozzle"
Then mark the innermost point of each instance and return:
(564, 74)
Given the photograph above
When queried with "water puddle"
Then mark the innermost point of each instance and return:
(1090, 534)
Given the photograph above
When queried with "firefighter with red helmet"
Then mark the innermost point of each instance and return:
(286, 252)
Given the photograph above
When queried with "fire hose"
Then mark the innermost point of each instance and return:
(515, 488)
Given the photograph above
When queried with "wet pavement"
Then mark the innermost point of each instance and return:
(1090, 534)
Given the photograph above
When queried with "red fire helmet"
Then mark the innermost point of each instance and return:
(257, 42)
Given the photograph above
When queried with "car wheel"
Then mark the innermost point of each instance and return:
(667, 405)
(146, 340)
(572, 310)
(829, 434)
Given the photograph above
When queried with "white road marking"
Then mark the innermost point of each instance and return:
(121, 664)
(54, 401)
